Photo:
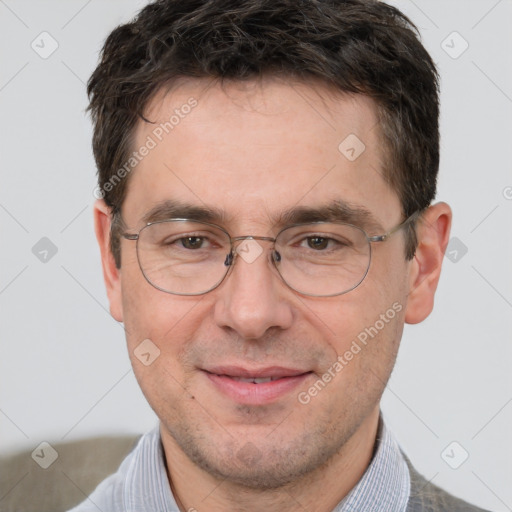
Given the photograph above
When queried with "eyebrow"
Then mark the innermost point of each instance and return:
(334, 211)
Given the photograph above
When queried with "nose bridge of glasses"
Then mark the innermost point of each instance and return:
(248, 254)
(252, 237)
(236, 241)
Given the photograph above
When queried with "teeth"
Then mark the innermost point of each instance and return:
(262, 379)
(255, 380)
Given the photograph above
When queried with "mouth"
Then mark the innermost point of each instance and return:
(256, 386)
(254, 380)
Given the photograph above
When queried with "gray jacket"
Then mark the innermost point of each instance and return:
(427, 497)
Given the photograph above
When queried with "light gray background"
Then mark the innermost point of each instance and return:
(64, 369)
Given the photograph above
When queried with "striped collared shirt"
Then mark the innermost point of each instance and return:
(386, 483)
(141, 483)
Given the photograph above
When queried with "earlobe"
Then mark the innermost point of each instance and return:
(433, 232)
(111, 274)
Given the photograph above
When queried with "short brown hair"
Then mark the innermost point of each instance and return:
(357, 46)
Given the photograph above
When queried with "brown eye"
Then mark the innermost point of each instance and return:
(317, 242)
(192, 242)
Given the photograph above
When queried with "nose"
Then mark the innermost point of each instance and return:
(253, 299)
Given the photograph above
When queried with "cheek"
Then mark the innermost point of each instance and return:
(147, 310)
(364, 327)
(156, 323)
(159, 328)
(370, 332)
(364, 355)
(165, 319)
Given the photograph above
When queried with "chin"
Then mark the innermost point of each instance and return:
(265, 464)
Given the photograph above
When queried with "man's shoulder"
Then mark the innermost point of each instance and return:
(427, 497)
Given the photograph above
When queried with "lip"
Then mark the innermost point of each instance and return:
(267, 371)
(286, 380)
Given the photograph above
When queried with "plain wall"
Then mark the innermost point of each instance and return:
(64, 369)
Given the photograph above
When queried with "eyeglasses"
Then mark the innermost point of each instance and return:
(319, 259)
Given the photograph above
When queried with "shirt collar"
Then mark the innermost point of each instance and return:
(147, 486)
(385, 484)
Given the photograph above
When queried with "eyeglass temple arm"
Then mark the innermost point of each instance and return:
(385, 236)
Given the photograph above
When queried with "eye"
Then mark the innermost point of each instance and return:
(320, 243)
(188, 241)
(192, 242)
(317, 242)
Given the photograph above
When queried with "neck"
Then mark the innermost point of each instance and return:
(321, 490)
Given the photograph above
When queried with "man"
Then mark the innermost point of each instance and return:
(267, 171)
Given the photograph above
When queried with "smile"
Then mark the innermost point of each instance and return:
(256, 387)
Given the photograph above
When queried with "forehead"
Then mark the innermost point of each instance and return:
(255, 149)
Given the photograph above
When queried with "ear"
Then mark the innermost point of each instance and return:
(111, 274)
(433, 232)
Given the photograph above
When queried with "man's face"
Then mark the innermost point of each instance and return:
(254, 151)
